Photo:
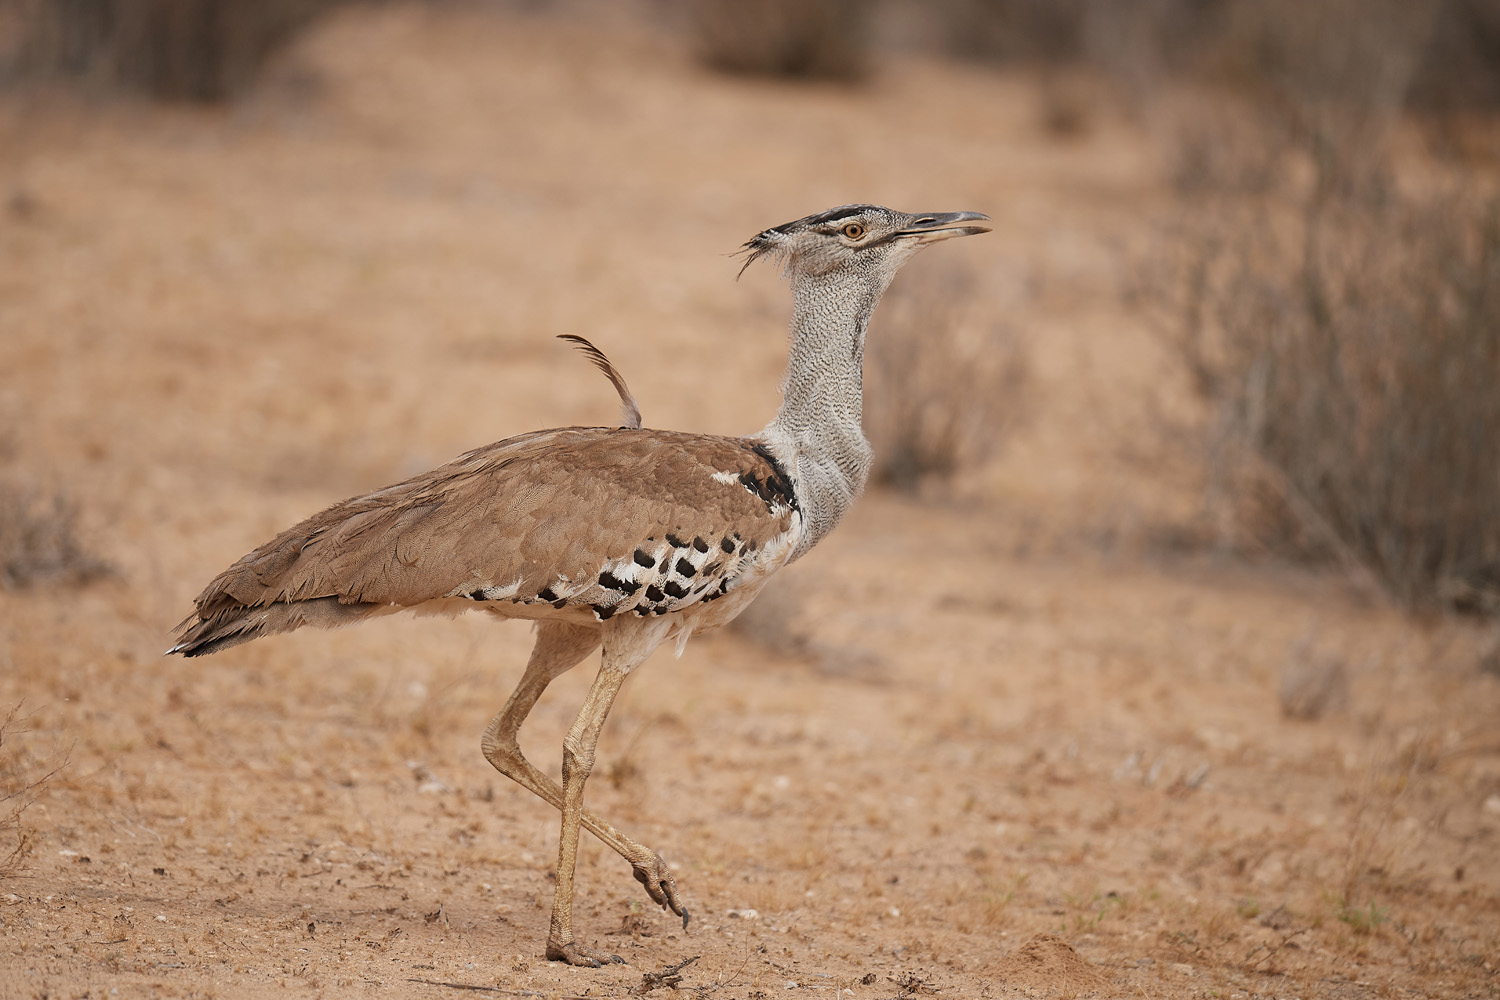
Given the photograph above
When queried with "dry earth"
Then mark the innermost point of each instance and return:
(980, 745)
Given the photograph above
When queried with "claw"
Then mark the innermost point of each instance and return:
(684, 918)
(657, 879)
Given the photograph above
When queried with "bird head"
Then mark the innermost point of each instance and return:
(861, 238)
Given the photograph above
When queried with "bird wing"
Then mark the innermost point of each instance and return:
(613, 519)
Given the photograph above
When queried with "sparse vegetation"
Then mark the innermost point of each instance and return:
(791, 38)
(182, 50)
(1363, 919)
(1431, 56)
(474, 174)
(946, 381)
(1349, 359)
(1313, 682)
(19, 785)
(39, 540)
(1343, 331)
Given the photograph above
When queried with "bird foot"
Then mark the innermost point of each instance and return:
(653, 873)
(576, 954)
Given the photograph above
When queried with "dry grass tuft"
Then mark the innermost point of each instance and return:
(1314, 682)
(1378, 841)
(945, 383)
(39, 542)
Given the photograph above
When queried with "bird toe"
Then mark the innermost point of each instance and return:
(576, 954)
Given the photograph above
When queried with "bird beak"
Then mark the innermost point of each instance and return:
(936, 226)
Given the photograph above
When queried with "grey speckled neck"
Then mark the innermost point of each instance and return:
(818, 432)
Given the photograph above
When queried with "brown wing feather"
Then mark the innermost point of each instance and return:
(520, 520)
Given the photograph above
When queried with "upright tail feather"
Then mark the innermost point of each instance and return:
(629, 408)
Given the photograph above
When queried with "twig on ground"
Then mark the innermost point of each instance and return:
(476, 988)
(1271, 953)
(720, 984)
(671, 977)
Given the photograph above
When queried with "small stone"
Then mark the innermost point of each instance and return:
(791, 984)
(161, 918)
(745, 914)
(1492, 804)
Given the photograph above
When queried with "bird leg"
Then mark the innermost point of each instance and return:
(624, 649)
(559, 648)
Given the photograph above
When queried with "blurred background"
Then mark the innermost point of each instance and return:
(1187, 509)
(1320, 265)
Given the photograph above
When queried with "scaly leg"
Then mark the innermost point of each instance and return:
(625, 647)
(558, 649)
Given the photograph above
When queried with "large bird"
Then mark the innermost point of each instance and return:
(624, 537)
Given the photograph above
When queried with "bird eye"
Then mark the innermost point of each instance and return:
(854, 230)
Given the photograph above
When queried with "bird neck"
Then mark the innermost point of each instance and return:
(819, 423)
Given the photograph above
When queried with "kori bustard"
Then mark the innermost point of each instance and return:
(616, 536)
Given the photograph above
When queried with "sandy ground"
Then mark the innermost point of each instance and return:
(976, 746)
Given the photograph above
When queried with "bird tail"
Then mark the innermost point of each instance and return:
(199, 635)
(628, 406)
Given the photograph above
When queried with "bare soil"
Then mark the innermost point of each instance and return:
(983, 743)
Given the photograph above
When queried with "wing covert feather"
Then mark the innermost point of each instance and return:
(517, 517)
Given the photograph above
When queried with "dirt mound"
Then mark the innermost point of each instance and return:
(1047, 960)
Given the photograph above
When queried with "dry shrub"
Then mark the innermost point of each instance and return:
(945, 383)
(1350, 356)
(193, 50)
(793, 38)
(1440, 57)
(39, 542)
(1345, 335)
(1461, 67)
(1011, 30)
(19, 785)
